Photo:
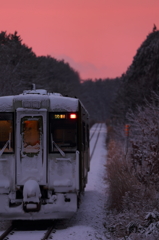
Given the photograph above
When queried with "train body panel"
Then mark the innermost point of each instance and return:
(44, 155)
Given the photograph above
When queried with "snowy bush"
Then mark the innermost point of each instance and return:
(119, 176)
(144, 144)
(133, 177)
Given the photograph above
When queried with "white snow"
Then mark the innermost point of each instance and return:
(36, 91)
(60, 103)
(57, 102)
(87, 223)
(31, 191)
(6, 103)
(32, 149)
(63, 183)
(30, 97)
(4, 182)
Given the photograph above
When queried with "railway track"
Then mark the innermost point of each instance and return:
(7, 232)
(17, 232)
(94, 138)
(93, 130)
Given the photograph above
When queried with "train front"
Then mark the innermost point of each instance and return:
(39, 156)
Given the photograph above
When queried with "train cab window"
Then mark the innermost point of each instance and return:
(31, 134)
(63, 132)
(6, 133)
(87, 136)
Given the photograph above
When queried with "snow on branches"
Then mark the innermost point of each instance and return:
(144, 143)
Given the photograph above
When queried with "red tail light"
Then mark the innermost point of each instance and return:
(73, 116)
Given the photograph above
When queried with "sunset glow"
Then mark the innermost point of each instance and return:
(99, 38)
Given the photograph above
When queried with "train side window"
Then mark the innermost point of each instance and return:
(84, 135)
(87, 135)
(6, 133)
(63, 133)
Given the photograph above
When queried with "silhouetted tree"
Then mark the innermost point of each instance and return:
(140, 80)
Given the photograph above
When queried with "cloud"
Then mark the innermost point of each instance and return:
(85, 69)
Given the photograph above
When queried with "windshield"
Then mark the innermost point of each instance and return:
(63, 132)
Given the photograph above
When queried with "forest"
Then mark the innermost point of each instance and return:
(133, 148)
(20, 67)
(140, 81)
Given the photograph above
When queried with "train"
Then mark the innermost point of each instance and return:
(44, 155)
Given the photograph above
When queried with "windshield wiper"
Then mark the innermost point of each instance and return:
(58, 148)
(5, 145)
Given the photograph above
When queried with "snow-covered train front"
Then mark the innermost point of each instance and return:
(44, 155)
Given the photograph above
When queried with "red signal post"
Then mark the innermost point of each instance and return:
(127, 128)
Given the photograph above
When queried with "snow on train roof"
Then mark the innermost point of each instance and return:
(6, 103)
(57, 101)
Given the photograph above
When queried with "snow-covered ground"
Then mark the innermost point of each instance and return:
(87, 223)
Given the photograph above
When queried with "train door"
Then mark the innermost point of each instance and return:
(31, 147)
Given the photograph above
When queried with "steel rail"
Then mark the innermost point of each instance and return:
(93, 132)
(6, 233)
(46, 236)
(95, 142)
(49, 231)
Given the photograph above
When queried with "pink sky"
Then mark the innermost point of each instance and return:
(99, 38)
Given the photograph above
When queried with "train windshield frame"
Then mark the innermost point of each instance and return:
(6, 132)
(63, 132)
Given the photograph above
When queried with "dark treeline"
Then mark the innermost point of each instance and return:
(97, 97)
(20, 67)
(140, 81)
